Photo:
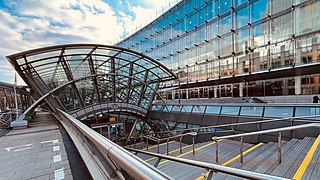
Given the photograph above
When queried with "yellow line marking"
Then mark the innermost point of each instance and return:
(231, 160)
(170, 152)
(154, 146)
(307, 159)
(183, 154)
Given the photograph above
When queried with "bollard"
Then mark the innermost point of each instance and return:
(181, 144)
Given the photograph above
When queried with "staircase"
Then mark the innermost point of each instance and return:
(262, 158)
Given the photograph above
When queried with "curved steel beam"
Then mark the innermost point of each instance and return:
(59, 47)
(36, 103)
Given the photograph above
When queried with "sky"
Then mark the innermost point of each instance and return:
(29, 24)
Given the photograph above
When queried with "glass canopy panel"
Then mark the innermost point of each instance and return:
(213, 109)
(198, 109)
(251, 111)
(308, 111)
(40, 56)
(280, 112)
(232, 110)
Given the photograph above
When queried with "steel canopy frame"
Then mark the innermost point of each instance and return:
(88, 74)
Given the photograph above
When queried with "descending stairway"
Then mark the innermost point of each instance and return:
(262, 158)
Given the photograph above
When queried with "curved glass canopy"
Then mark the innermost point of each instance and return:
(99, 75)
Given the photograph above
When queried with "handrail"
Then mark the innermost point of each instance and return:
(278, 130)
(269, 131)
(211, 167)
(243, 123)
(121, 161)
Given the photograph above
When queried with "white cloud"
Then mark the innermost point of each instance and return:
(28, 24)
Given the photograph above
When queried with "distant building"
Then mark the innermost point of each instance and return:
(236, 48)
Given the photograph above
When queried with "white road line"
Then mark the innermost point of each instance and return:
(56, 148)
(54, 141)
(22, 149)
(59, 174)
(20, 146)
(57, 158)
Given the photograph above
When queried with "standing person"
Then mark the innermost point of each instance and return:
(315, 99)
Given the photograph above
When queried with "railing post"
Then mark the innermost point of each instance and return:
(217, 151)
(147, 141)
(193, 142)
(158, 147)
(141, 140)
(279, 148)
(181, 144)
(241, 149)
(167, 146)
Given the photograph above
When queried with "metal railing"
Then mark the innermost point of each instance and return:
(105, 159)
(290, 119)
(277, 130)
(194, 134)
(6, 118)
(167, 139)
(212, 167)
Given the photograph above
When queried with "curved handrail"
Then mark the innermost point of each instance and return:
(120, 159)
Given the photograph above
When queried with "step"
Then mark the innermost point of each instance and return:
(273, 159)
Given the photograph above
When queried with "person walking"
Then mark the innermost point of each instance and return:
(315, 99)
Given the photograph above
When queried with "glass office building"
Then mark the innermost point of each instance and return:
(236, 48)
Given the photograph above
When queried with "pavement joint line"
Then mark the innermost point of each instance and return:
(231, 160)
(303, 166)
(170, 152)
(186, 153)
(59, 174)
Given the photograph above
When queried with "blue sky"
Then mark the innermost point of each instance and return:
(28, 24)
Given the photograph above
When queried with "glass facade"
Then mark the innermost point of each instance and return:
(203, 40)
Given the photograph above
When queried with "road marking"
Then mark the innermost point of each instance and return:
(22, 149)
(169, 152)
(56, 148)
(57, 158)
(183, 154)
(54, 141)
(20, 146)
(303, 166)
(59, 174)
(231, 160)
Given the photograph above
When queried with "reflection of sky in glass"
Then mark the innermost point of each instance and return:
(280, 112)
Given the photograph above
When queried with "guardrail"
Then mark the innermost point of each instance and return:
(194, 134)
(290, 119)
(278, 130)
(105, 159)
(211, 167)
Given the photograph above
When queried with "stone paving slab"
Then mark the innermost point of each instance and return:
(37, 152)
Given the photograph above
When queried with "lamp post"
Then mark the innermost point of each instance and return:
(15, 95)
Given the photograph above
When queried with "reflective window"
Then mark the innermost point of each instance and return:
(186, 108)
(307, 111)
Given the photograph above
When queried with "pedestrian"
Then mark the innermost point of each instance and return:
(315, 99)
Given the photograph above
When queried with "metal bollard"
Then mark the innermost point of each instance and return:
(147, 141)
(141, 140)
(158, 147)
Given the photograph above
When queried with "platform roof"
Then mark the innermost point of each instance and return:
(99, 74)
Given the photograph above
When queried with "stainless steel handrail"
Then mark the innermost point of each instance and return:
(292, 119)
(120, 159)
(277, 130)
(211, 167)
